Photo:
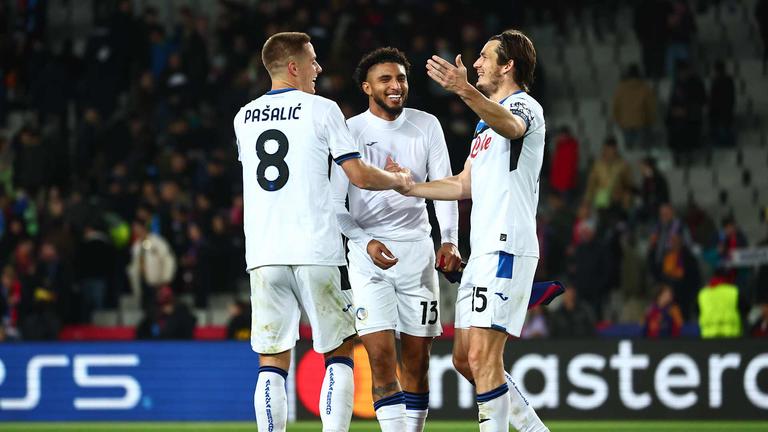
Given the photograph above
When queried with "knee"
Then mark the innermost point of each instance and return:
(461, 363)
(346, 349)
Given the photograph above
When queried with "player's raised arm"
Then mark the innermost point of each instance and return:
(454, 79)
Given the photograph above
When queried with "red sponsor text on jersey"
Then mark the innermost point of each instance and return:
(481, 142)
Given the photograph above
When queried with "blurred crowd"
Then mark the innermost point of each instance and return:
(123, 178)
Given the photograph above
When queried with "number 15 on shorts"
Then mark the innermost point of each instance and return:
(479, 299)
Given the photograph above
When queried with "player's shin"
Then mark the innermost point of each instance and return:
(416, 410)
(337, 394)
(522, 416)
(270, 400)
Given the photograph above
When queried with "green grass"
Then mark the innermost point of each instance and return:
(370, 426)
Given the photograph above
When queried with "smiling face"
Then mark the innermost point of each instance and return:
(307, 69)
(387, 88)
(490, 74)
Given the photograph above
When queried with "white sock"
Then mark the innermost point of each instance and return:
(416, 410)
(337, 394)
(522, 416)
(493, 410)
(270, 400)
(390, 412)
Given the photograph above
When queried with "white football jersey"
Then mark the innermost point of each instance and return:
(284, 138)
(505, 182)
(414, 140)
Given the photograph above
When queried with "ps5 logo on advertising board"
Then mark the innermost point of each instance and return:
(83, 366)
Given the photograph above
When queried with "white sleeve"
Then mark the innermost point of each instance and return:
(347, 224)
(439, 166)
(336, 134)
(237, 140)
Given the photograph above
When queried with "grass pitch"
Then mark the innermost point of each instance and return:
(371, 426)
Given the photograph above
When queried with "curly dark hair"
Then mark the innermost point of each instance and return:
(377, 56)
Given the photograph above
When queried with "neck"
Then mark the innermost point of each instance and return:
(380, 112)
(284, 83)
(505, 90)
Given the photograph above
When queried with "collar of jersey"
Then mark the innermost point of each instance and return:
(282, 90)
(380, 123)
(502, 101)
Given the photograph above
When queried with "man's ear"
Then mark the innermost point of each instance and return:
(293, 68)
(367, 88)
(507, 68)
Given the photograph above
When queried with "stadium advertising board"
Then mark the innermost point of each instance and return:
(127, 381)
(627, 379)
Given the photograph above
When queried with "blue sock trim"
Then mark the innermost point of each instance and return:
(416, 401)
(274, 369)
(493, 394)
(395, 399)
(340, 359)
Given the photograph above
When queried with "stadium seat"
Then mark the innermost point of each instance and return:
(219, 316)
(131, 317)
(106, 318)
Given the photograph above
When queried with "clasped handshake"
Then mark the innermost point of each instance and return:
(407, 179)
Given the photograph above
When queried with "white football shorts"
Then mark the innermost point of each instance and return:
(277, 291)
(494, 292)
(405, 297)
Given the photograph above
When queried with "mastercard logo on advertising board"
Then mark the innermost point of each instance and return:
(309, 380)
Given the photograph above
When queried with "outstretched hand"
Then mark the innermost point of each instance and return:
(451, 77)
(404, 173)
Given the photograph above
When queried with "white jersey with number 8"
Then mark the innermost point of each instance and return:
(284, 138)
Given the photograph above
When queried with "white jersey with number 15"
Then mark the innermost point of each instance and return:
(284, 138)
(505, 182)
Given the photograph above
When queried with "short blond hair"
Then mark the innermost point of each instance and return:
(280, 48)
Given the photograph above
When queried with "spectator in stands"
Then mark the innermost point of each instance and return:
(663, 318)
(651, 30)
(152, 263)
(668, 225)
(722, 101)
(719, 315)
(167, 319)
(634, 109)
(760, 326)
(564, 171)
(681, 28)
(654, 190)
(761, 16)
(195, 266)
(239, 326)
(31, 164)
(588, 269)
(609, 185)
(573, 319)
(10, 299)
(680, 270)
(685, 113)
(94, 267)
(729, 238)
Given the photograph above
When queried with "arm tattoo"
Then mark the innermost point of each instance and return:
(386, 390)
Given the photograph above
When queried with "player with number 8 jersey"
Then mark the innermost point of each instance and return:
(293, 242)
(284, 138)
